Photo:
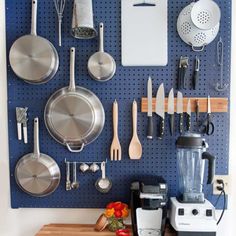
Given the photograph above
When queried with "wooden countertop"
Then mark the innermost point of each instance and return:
(78, 230)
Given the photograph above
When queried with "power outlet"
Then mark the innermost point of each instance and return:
(226, 180)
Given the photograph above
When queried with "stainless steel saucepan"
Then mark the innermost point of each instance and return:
(74, 116)
(33, 58)
(36, 173)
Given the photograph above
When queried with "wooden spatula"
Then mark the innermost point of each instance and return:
(135, 147)
(115, 151)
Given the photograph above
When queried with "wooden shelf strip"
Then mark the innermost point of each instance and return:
(217, 104)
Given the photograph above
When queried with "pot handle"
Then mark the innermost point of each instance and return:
(211, 166)
(75, 150)
(198, 49)
(72, 70)
(34, 18)
(101, 37)
(36, 137)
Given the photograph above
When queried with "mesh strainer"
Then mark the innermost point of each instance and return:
(205, 14)
(192, 35)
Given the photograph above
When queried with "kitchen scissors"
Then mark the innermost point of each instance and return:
(207, 127)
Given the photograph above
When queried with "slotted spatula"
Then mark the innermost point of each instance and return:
(115, 151)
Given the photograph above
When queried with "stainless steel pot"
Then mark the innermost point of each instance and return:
(36, 173)
(74, 116)
(33, 58)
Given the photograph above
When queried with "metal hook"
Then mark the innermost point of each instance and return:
(220, 86)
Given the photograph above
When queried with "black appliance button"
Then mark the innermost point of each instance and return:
(180, 211)
(195, 212)
(209, 212)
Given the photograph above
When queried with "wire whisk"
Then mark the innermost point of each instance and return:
(60, 6)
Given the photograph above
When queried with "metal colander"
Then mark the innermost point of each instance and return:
(191, 34)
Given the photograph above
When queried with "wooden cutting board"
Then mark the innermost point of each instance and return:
(78, 230)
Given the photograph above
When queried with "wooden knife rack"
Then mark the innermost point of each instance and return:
(218, 105)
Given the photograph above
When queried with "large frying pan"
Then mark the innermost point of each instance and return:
(33, 58)
(74, 116)
(36, 173)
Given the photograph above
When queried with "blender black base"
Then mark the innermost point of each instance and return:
(196, 233)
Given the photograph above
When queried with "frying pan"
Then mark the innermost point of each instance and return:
(74, 116)
(36, 173)
(33, 58)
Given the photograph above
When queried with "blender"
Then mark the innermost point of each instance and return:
(191, 214)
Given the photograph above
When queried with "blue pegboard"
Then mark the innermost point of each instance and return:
(159, 157)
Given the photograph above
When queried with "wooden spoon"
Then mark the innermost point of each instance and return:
(135, 147)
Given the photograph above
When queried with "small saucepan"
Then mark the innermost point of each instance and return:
(36, 173)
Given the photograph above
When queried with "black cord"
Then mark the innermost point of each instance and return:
(222, 191)
(216, 203)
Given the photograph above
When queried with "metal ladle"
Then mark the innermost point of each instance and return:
(103, 184)
(75, 183)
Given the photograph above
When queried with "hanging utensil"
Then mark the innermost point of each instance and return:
(68, 182)
(103, 184)
(160, 109)
(33, 58)
(221, 87)
(205, 14)
(196, 73)
(149, 114)
(171, 110)
(135, 147)
(101, 65)
(183, 66)
(189, 112)
(59, 6)
(115, 150)
(179, 110)
(75, 183)
(82, 20)
(78, 108)
(36, 173)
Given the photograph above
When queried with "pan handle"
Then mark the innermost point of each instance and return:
(36, 137)
(101, 37)
(72, 70)
(34, 17)
(75, 150)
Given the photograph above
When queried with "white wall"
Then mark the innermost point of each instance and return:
(26, 222)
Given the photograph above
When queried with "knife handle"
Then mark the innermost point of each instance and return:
(179, 82)
(181, 123)
(195, 79)
(188, 122)
(150, 128)
(161, 128)
(172, 124)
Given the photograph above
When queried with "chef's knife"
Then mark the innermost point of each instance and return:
(150, 121)
(160, 109)
(171, 110)
(179, 111)
(189, 115)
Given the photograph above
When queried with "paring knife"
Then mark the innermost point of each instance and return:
(150, 121)
(160, 109)
(189, 115)
(179, 111)
(171, 110)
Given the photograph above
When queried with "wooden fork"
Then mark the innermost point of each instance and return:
(115, 151)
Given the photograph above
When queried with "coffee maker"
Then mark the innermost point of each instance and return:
(149, 207)
(191, 214)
